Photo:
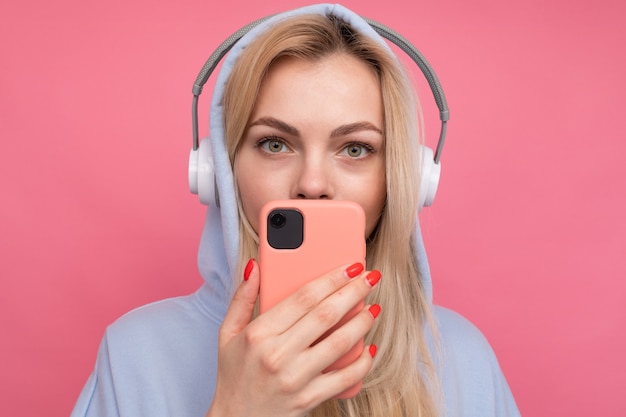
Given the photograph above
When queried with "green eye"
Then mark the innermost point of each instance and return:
(273, 145)
(354, 150)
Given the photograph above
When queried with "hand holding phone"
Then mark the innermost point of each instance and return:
(300, 240)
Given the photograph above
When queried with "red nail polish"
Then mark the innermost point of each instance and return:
(354, 269)
(374, 310)
(373, 277)
(372, 350)
(248, 270)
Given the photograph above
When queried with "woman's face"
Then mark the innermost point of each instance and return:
(315, 133)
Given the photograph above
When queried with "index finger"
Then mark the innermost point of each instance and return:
(285, 313)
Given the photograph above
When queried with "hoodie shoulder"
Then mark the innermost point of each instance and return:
(472, 382)
(157, 360)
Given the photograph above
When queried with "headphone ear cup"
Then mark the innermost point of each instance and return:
(429, 177)
(202, 174)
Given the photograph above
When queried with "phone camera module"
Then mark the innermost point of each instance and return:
(278, 220)
(285, 228)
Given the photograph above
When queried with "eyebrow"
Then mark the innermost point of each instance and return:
(276, 124)
(354, 127)
(339, 131)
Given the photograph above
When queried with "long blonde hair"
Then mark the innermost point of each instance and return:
(402, 381)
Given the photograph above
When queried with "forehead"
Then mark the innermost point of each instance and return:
(294, 81)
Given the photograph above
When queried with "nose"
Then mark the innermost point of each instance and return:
(314, 180)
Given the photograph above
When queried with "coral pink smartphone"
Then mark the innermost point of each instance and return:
(300, 240)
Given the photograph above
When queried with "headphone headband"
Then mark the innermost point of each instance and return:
(202, 180)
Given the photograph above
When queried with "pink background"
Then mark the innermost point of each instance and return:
(527, 236)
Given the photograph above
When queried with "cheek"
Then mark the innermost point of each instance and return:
(250, 201)
(374, 204)
(369, 190)
(256, 188)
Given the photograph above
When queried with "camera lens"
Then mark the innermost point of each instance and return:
(278, 220)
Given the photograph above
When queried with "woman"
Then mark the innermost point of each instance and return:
(310, 104)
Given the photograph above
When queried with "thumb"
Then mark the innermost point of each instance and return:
(242, 305)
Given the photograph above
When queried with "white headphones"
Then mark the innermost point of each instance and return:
(201, 169)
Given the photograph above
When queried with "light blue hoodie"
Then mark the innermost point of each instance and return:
(161, 359)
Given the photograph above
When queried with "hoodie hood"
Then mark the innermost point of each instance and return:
(219, 244)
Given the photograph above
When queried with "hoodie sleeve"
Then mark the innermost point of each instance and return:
(472, 382)
(98, 395)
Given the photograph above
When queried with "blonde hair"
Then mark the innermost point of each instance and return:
(402, 381)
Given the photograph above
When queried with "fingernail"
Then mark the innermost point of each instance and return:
(372, 350)
(354, 269)
(374, 310)
(373, 277)
(248, 270)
